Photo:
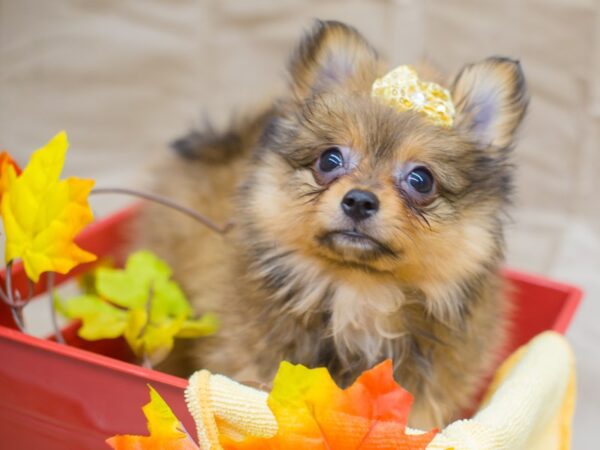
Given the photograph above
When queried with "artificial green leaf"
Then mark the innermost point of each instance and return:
(146, 266)
(204, 326)
(141, 303)
(168, 300)
(86, 282)
(131, 288)
(100, 320)
(121, 288)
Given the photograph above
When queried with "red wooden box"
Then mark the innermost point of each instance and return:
(73, 397)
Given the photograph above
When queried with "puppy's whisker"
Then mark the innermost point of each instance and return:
(424, 219)
(313, 194)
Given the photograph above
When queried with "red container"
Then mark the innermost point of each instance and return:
(73, 397)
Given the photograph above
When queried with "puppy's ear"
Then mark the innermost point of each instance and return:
(331, 55)
(491, 100)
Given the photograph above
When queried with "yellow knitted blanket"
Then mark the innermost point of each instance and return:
(529, 405)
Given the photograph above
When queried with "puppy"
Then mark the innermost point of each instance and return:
(360, 232)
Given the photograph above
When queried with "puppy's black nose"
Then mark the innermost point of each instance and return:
(360, 205)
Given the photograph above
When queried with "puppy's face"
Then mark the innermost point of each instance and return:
(356, 185)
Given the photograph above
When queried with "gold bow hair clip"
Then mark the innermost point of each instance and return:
(403, 90)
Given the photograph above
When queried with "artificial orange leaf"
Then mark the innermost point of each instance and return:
(42, 214)
(312, 412)
(9, 170)
(164, 427)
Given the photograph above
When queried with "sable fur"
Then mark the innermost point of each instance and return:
(429, 297)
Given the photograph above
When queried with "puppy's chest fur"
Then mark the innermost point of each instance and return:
(345, 323)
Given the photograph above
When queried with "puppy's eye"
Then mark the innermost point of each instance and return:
(331, 159)
(331, 164)
(421, 180)
(418, 185)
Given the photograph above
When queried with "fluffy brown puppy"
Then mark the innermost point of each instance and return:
(361, 233)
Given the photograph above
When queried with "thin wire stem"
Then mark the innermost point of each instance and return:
(146, 362)
(17, 305)
(4, 297)
(148, 310)
(17, 317)
(165, 201)
(17, 302)
(50, 288)
(9, 291)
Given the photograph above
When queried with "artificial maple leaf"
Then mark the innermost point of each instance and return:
(9, 170)
(166, 431)
(42, 214)
(141, 303)
(312, 412)
(100, 319)
(159, 310)
(131, 286)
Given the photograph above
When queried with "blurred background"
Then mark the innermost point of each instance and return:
(125, 78)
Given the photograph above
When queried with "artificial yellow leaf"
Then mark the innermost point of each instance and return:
(152, 339)
(161, 420)
(136, 321)
(160, 338)
(166, 431)
(42, 214)
(206, 325)
(9, 170)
